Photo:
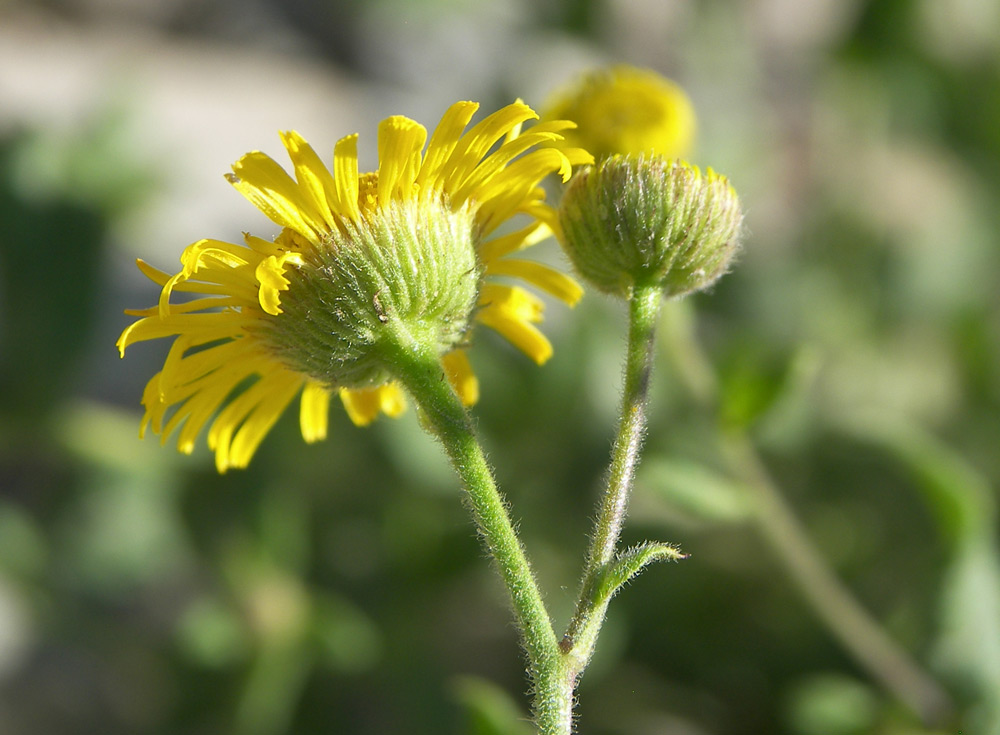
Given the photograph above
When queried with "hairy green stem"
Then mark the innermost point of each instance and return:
(831, 601)
(443, 416)
(581, 635)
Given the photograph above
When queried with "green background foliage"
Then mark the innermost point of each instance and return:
(339, 587)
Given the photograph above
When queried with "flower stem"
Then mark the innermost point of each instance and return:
(442, 415)
(581, 635)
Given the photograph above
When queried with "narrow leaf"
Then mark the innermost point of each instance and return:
(632, 561)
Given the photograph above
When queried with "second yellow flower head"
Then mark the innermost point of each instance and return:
(626, 110)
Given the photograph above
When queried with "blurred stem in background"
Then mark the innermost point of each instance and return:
(832, 602)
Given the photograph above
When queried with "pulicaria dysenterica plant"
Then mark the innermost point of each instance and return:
(375, 284)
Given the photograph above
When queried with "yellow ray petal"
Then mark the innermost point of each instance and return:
(538, 164)
(548, 279)
(314, 411)
(160, 278)
(269, 188)
(515, 130)
(154, 274)
(314, 178)
(261, 246)
(511, 149)
(269, 391)
(578, 156)
(460, 375)
(443, 140)
(184, 373)
(510, 310)
(523, 238)
(518, 332)
(400, 141)
(217, 255)
(391, 399)
(362, 405)
(475, 144)
(263, 417)
(206, 327)
(271, 274)
(198, 408)
(345, 168)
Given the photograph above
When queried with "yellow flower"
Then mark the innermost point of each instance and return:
(625, 110)
(263, 313)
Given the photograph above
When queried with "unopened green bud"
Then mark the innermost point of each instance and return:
(411, 268)
(631, 221)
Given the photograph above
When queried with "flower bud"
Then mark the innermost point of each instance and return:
(631, 221)
(412, 268)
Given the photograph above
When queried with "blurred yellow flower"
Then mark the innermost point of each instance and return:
(625, 110)
(230, 358)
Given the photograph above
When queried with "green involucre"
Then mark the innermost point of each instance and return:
(410, 265)
(633, 220)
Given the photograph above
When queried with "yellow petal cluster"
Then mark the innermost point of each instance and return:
(222, 372)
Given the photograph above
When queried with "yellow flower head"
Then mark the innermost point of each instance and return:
(625, 110)
(270, 320)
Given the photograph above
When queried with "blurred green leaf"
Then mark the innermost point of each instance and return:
(489, 709)
(50, 256)
(283, 519)
(961, 499)
(349, 641)
(123, 527)
(832, 704)
(212, 634)
(272, 690)
(968, 645)
(753, 384)
(24, 550)
(694, 490)
(965, 508)
(108, 438)
(98, 165)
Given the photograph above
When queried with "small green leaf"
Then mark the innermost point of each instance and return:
(632, 561)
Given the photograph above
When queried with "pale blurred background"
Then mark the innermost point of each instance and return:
(339, 588)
